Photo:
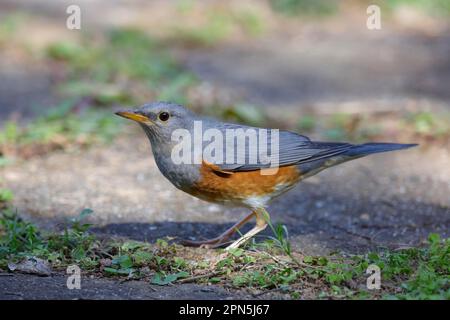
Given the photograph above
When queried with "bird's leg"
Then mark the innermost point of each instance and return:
(262, 218)
(218, 241)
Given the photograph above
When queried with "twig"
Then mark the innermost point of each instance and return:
(273, 258)
(201, 276)
(266, 292)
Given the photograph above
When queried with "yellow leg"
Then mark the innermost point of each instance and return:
(262, 217)
(220, 240)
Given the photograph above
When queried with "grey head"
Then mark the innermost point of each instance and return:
(159, 120)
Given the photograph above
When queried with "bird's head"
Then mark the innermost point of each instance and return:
(160, 119)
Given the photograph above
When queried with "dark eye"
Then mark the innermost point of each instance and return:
(164, 116)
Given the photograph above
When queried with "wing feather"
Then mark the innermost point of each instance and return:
(293, 149)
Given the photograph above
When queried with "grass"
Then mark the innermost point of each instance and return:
(21, 239)
(395, 126)
(264, 268)
(5, 196)
(429, 124)
(242, 113)
(340, 127)
(305, 7)
(128, 67)
(59, 128)
(414, 126)
(437, 7)
(216, 28)
(217, 25)
(8, 27)
(125, 66)
(323, 7)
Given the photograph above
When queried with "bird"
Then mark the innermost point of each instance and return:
(244, 183)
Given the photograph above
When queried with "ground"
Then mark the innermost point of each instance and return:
(383, 201)
(12, 287)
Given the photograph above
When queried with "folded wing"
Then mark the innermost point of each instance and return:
(292, 149)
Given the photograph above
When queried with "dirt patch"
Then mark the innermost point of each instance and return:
(25, 287)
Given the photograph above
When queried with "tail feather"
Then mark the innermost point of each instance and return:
(353, 152)
(374, 147)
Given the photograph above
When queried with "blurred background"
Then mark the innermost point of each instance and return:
(280, 62)
(303, 65)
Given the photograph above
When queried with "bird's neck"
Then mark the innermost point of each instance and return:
(181, 175)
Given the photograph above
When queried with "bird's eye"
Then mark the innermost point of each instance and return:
(164, 116)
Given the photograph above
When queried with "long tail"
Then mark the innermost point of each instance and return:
(361, 150)
(353, 152)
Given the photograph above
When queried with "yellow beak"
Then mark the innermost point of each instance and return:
(133, 116)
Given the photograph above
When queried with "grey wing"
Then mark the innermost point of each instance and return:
(292, 149)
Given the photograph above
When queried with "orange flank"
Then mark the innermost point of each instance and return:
(216, 185)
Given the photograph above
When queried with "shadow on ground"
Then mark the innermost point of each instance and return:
(312, 233)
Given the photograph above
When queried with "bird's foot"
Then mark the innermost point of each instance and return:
(221, 240)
